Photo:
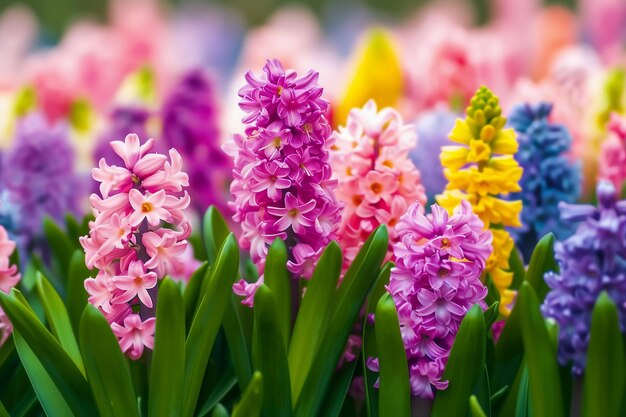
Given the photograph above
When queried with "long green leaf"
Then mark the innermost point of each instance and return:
(278, 278)
(603, 389)
(76, 294)
(349, 301)
(107, 370)
(369, 340)
(338, 392)
(270, 356)
(543, 371)
(251, 402)
(3, 411)
(62, 370)
(465, 366)
(49, 396)
(60, 245)
(395, 393)
(215, 231)
(225, 383)
(207, 321)
(516, 265)
(219, 411)
(237, 345)
(167, 374)
(58, 319)
(313, 316)
(192, 291)
(475, 407)
(541, 261)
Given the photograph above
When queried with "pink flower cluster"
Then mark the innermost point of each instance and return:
(137, 238)
(377, 180)
(282, 179)
(613, 153)
(439, 261)
(9, 277)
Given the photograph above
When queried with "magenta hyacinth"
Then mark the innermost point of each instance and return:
(439, 260)
(282, 179)
(9, 277)
(138, 237)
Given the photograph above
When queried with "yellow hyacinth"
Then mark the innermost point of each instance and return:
(377, 75)
(481, 169)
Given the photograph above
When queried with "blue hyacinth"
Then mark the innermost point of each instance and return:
(590, 261)
(549, 177)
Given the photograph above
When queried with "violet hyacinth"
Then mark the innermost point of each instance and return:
(591, 261)
(190, 124)
(282, 179)
(9, 277)
(549, 176)
(38, 175)
(439, 260)
(129, 242)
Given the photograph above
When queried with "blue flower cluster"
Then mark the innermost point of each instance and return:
(591, 261)
(549, 177)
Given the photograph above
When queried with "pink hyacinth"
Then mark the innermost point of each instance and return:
(377, 180)
(613, 153)
(282, 179)
(9, 277)
(439, 260)
(138, 237)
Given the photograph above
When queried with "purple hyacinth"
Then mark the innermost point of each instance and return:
(282, 186)
(591, 261)
(432, 133)
(38, 175)
(439, 260)
(122, 121)
(190, 125)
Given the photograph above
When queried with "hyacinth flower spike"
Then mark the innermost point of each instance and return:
(282, 183)
(137, 238)
(482, 170)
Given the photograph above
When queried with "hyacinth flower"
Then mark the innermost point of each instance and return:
(190, 124)
(282, 184)
(549, 177)
(591, 261)
(432, 133)
(482, 171)
(377, 180)
(437, 278)
(613, 152)
(9, 277)
(38, 176)
(137, 238)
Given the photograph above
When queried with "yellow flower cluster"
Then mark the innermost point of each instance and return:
(481, 170)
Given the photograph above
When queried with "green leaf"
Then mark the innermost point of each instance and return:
(58, 319)
(207, 321)
(395, 394)
(369, 340)
(516, 265)
(215, 233)
(337, 394)
(49, 396)
(62, 370)
(251, 402)
(270, 356)
(60, 245)
(475, 407)
(541, 261)
(226, 381)
(237, 345)
(168, 358)
(521, 405)
(76, 294)
(491, 314)
(603, 387)
(192, 291)
(219, 411)
(5, 413)
(348, 302)
(107, 370)
(278, 278)
(543, 371)
(313, 316)
(465, 366)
